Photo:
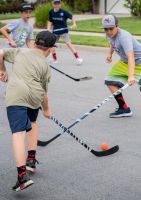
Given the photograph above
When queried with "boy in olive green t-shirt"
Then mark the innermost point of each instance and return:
(25, 94)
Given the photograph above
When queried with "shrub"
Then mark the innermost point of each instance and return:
(2, 2)
(9, 6)
(135, 6)
(85, 6)
(42, 14)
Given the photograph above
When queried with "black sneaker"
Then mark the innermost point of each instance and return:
(31, 164)
(121, 113)
(23, 182)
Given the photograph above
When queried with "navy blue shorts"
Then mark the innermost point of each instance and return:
(20, 118)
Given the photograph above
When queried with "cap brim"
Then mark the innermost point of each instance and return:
(107, 26)
(57, 2)
(22, 10)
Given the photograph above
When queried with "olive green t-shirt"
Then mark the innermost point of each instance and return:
(28, 82)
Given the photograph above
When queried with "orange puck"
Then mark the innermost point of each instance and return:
(104, 146)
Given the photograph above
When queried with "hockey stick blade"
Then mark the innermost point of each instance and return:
(86, 78)
(45, 143)
(67, 75)
(106, 152)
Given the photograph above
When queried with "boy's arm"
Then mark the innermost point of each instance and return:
(73, 23)
(49, 26)
(110, 53)
(4, 31)
(49, 23)
(30, 38)
(3, 72)
(45, 107)
(127, 45)
(131, 67)
(30, 43)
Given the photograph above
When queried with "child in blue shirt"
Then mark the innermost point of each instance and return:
(58, 19)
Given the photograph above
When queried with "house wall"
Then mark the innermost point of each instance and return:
(117, 9)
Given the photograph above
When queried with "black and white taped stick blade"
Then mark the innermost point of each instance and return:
(105, 153)
(86, 78)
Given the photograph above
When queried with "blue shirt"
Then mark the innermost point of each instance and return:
(123, 43)
(59, 20)
(20, 32)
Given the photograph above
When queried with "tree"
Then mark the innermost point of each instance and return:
(2, 2)
(85, 6)
(93, 6)
(135, 6)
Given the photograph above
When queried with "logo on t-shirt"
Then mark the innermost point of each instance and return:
(62, 14)
(116, 49)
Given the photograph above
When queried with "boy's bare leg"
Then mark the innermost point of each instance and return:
(112, 88)
(71, 47)
(32, 137)
(19, 150)
(73, 50)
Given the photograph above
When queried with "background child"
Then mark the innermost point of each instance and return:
(58, 19)
(20, 32)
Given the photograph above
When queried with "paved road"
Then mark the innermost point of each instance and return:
(67, 171)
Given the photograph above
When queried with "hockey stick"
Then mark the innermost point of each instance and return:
(75, 79)
(44, 143)
(60, 29)
(96, 153)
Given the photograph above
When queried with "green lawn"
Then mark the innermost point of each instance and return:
(131, 24)
(2, 24)
(89, 40)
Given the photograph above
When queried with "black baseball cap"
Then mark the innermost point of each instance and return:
(56, 1)
(45, 39)
(25, 6)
